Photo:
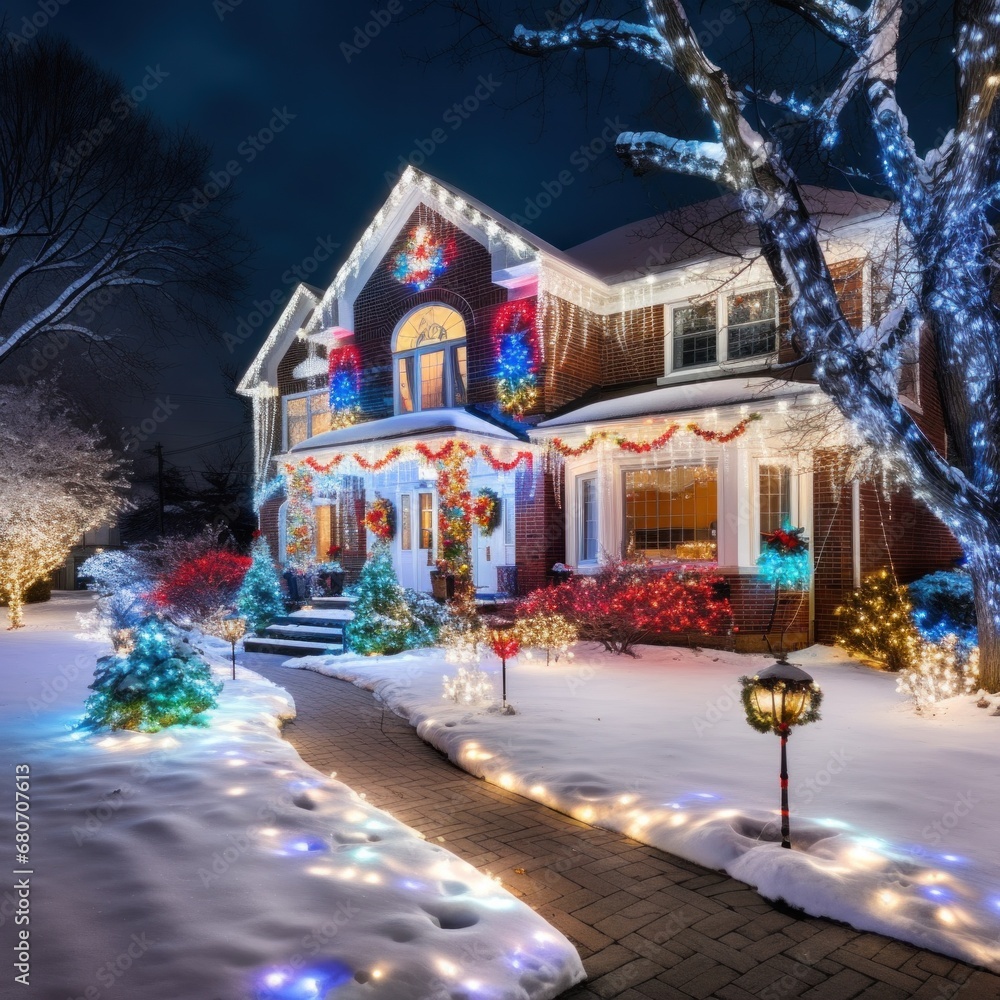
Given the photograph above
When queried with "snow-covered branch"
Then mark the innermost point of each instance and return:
(592, 34)
(654, 150)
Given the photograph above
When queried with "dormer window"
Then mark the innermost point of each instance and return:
(430, 360)
(739, 326)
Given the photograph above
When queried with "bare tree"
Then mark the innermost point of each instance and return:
(97, 204)
(945, 199)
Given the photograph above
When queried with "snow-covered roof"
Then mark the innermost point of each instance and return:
(427, 423)
(678, 398)
(707, 229)
(300, 308)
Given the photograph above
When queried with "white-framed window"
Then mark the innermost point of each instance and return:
(430, 362)
(304, 415)
(405, 523)
(509, 525)
(774, 497)
(672, 512)
(587, 548)
(735, 326)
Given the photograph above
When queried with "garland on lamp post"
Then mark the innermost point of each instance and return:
(775, 700)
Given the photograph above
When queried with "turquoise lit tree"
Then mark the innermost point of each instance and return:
(383, 621)
(784, 563)
(259, 600)
(158, 680)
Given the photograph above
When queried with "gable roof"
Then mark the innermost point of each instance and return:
(297, 314)
(707, 229)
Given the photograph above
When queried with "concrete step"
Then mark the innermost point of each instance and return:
(309, 633)
(321, 619)
(290, 647)
(343, 601)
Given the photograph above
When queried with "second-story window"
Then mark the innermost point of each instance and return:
(695, 336)
(753, 323)
(430, 360)
(306, 415)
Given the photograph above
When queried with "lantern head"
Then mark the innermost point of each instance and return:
(780, 697)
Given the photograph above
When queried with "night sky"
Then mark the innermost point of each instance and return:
(225, 68)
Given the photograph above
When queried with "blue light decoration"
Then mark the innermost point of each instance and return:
(345, 385)
(312, 983)
(423, 260)
(784, 558)
(516, 356)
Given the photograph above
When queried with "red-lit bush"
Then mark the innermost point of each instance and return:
(624, 603)
(201, 587)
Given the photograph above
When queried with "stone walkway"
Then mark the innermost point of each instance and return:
(648, 926)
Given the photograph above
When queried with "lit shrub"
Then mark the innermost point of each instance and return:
(943, 604)
(938, 670)
(158, 680)
(199, 588)
(626, 602)
(876, 621)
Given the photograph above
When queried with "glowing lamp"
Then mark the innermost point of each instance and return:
(232, 628)
(776, 699)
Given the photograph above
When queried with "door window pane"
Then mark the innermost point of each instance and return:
(694, 335)
(426, 520)
(753, 323)
(405, 527)
(588, 520)
(324, 531)
(507, 509)
(672, 513)
(406, 385)
(775, 482)
(432, 380)
(459, 376)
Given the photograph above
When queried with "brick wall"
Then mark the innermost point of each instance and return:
(633, 346)
(267, 521)
(466, 286)
(572, 348)
(540, 530)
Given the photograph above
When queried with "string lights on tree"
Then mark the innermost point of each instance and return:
(942, 251)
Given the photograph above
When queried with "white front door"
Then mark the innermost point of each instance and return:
(416, 537)
(488, 552)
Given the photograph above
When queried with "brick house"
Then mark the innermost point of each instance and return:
(662, 412)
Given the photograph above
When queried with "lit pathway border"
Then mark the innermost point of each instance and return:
(648, 926)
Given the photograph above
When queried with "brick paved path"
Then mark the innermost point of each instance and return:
(648, 926)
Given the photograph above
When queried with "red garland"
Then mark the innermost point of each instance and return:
(498, 465)
(317, 467)
(567, 452)
(380, 463)
(446, 452)
(641, 447)
(724, 437)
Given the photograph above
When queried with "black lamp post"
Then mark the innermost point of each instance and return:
(776, 699)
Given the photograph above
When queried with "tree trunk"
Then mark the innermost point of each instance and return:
(983, 562)
(15, 604)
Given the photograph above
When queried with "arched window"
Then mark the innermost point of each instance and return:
(431, 366)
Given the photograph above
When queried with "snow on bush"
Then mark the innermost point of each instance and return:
(158, 680)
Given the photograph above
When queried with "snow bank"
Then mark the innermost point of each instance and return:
(212, 862)
(894, 816)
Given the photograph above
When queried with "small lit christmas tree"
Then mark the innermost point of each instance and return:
(876, 621)
(383, 622)
(157, 681)
(259, 600)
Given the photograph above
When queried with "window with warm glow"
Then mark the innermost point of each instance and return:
(306, 415)
(672, 513)
(775, 497)
(431, 369)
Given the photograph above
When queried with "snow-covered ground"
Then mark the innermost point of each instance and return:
(894, 815)
(213, 864)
